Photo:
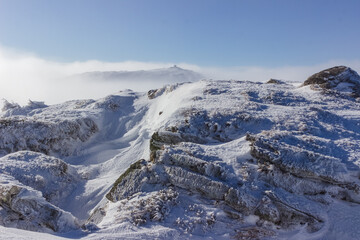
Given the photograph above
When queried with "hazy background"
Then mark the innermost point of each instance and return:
(25, 76)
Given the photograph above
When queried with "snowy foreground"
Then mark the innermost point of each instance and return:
(201, 160)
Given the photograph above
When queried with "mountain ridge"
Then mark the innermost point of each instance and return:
(172, 74)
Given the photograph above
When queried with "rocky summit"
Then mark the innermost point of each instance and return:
(201, 160)
(339, 79)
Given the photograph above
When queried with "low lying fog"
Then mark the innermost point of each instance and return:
(25, 76)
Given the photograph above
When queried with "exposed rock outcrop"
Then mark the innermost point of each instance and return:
(25, 208)
(275, 81)
(51, 176)
(22, 133)
(339, 79)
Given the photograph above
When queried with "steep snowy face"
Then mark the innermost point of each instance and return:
(338, 79)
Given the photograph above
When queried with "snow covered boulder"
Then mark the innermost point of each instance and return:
(15, 109)
(218, 125)
(154, 93)
(49, 175)
(308, 169)
(135, 179)
(153, 206)
(282, 149)
(25, 208)
(57, 137)
(275, 81)
(339, 79)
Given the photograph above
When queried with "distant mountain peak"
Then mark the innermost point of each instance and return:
(175, 67)
(170, 75)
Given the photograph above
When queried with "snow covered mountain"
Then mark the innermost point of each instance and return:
(173, 74)
(201, 160)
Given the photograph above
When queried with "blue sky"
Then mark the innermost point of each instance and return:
(43, 43)
(267, 33)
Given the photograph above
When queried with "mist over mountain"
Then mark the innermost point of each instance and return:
(169, 75)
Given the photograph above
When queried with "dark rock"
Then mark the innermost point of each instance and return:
(275, 81)
(128, 183)
(268, 211)
(340, 79)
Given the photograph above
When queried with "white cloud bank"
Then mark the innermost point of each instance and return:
(25, 76)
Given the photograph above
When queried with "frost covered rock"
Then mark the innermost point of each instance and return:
(25, 208)
(153, 93)
(61, 137)
(203, 126)
(193, 164)
(295, 209)
(282, 149)
(275, 81)
(175, 168)
(9, 105)
(307, 170)
(155, 206)
(11, 109)
(268, 211)
(130, 182)
(250, 233)
(63, 129)
(196, 182)
(49, 175)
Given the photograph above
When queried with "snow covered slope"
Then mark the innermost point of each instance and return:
(208, 159)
